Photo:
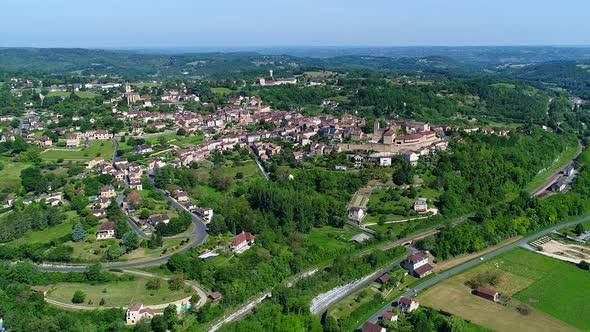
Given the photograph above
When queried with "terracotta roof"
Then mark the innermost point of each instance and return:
(417, 257)
(370, 327)
(107, 226)
(384, 278)
(135, 306)
(405, 300)
(486, 291)
(388, 315)
(423, 269)
(244, 236)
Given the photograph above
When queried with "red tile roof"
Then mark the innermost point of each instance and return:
(244, 236)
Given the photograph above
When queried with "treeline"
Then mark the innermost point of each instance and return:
(25, 218)
(176, 225)
(483, 170)
(522, 215)
(443, 99)
(290, 305)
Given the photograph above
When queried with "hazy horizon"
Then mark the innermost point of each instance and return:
(262, 24)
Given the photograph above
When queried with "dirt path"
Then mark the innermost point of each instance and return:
(445, 265)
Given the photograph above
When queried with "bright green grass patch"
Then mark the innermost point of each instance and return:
(85, 94)
(118, 294)
(221, 91)
(560, 288)
(566, 156)
(10, 175)
(103, 149)
(330, 238)
(503, 85)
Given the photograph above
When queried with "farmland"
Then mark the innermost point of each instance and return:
(549, 289)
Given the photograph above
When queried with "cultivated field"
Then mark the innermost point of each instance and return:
(551, 290)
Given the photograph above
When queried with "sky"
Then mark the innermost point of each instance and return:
(266, 23)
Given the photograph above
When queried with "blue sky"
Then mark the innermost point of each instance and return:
(239, 23)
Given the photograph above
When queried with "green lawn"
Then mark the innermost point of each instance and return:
(565, 157)
(380, 205)
(103, 149)
(118, 294)
(52, 233)
(560, 289)
(329, 237)
(81, 94)
(221, 91)
(10, 175)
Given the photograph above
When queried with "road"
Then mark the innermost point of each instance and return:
(198, 236)
(266, 176)
(446, 274)
(323, 302)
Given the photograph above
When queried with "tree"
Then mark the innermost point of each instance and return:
(144, 213)
(79, 297)
(79, 233)
(131, 241)
(114, 251)
(176, 282)
(93, 273)
(171, 316)
(579, 230)
(153, 284)
(159, 324)
(155, 241)
(33, 180)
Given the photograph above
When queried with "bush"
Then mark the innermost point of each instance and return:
(153, 284)
(79, 297)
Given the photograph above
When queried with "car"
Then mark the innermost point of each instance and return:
(481, 258)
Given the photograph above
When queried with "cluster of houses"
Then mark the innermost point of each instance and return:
(75, 139)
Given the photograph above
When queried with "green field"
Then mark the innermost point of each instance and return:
(562, 290)
(118, 294)
(555, 290)
(81, 94)
(221, 91)
(380, 206)
(103, 149)
(50, 234)
(329, 237)
(10, 175)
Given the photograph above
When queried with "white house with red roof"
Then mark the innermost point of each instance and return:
(242, 242)
(137, 312)
(106, 231)
(418, 265)
(407, 304)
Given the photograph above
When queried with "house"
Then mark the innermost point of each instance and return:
(214, 296)
(72, 141)
(1, 325)
(142, 148)
(418, 265)
(421, 205)
(135, 184)
(99, 213)
(52, 201)
(487, 294)
(297, 155)
(95, 162)
(182, 196)
(407, 304)
(205, 213)
(356, 213)
(106, 231)
(156, 219)
(45, 142)
(558, 186)
(137, 312)
(385, 161)
(340, 167)
(390, 316)
(107, 192)
(412, 157)
(242, 242)
(371, 327)
(568, 170)
(384, 278)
